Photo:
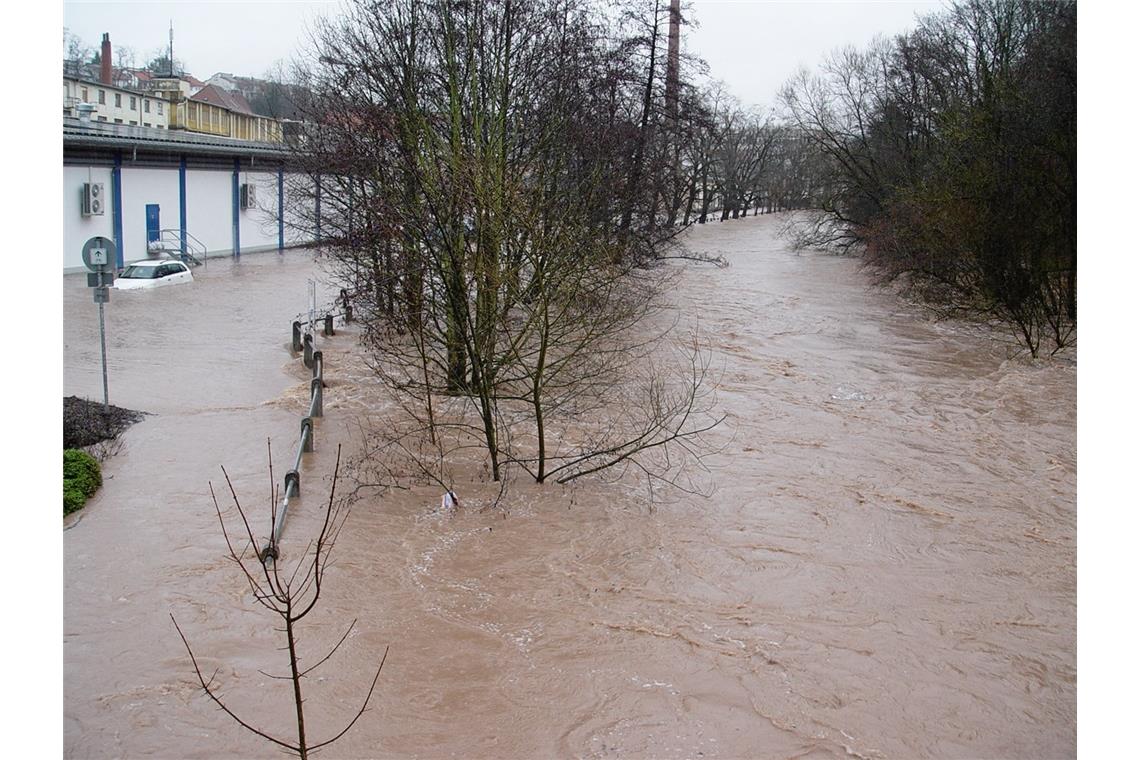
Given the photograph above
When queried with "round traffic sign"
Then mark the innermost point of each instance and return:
(99, 254)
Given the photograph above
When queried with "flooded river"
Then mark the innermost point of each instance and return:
(886, 569)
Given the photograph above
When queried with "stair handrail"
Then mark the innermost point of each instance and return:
(195, 248)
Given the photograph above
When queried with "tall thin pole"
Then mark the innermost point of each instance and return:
(171, 54)
(673, 63)
(103, 351)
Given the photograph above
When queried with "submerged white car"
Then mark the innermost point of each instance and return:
(153, 273)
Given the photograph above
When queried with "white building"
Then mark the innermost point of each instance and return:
(149, 183)
(115, 105)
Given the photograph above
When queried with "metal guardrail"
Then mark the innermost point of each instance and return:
(328, 313)
(313, 359)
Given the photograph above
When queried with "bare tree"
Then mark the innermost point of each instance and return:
(76, 53)
(489, 182)
(159, 63)
(291, 595)
(949, 160)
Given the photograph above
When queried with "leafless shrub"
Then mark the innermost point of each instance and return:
(289, 594)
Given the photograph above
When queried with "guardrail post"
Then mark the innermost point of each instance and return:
(293, 478)
(296, 337)
(318, 397)
(329, 325)
(307, 434)
(308, 342)
(318, 364)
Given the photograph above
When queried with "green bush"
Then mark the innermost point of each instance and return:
(81, 478)
(73, 499)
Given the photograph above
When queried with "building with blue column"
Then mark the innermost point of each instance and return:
(216, 194)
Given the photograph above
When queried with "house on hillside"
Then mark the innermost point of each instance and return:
(114, 105)
(215, 111)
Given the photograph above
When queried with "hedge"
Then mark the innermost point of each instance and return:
(81, 478)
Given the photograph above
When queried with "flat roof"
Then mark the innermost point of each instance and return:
(100, 134)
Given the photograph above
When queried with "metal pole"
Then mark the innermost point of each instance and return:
(306, 435)
(312, 305)
(316, 405)
(103, 350)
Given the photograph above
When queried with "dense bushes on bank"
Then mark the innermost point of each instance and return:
(81, 478)
(949, 155)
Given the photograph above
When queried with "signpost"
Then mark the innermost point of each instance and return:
(99, 258)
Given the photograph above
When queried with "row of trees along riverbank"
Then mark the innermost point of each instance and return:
(949, 156)
(491, 188)
(495, 180)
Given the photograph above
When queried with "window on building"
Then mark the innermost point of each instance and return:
(83, 92)
(102, 118)
(102, 97)
(146, 105)
(134, 123)
(160, 108)
(146, 123)
(133, 106)
(118, 100)
(118, 121)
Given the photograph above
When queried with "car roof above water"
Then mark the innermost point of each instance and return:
(152, 262)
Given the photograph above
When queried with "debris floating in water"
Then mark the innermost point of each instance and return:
(845, 393)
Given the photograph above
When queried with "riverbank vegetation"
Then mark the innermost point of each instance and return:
(493, 188)
(90, 434)
(499, 184)
(948, 157)
(81, 479)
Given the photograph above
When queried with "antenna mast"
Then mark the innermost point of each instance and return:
(170, 56)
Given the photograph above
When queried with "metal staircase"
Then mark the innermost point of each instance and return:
(169, 243)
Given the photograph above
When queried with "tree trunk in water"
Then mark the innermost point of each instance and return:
(692, 199)
(297, 700)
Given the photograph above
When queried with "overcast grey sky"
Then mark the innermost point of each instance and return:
(753, 45)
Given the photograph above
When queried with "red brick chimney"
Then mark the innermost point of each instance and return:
(105, 60)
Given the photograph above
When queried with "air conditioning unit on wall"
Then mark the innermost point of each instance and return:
(248, 196)
(93, 199)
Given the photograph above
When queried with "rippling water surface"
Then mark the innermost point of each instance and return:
(886, 567)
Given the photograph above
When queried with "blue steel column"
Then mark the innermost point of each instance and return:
(236, 208)
(281, 208)
(117, 203)
(182, 202)
(318, 208)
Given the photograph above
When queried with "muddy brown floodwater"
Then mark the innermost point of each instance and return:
(886, 569)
